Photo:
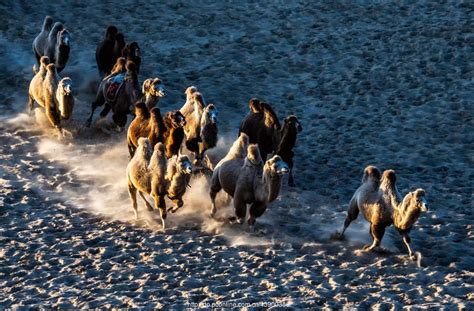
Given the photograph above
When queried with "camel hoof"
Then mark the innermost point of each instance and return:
(367, 248)
(337, 236)
(173, 209)
(235, 220)
(251, 221)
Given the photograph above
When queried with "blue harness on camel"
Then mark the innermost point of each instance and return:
(115, 84)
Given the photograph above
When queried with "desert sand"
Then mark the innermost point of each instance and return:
(372, 82)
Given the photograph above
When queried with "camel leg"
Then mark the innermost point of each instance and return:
(89, 120)
(148, 205)
(53, 116)
(215, 188)
(105, 111)
(132, 191)
(407, 240)
(119, 119)
(352, 214)
(31, 104)
(179, 203)
(160, 205)
(256, 210)
(240, 209)
(291, 181)
(377, 232)
(99, 101)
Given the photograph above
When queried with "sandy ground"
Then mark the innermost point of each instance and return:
(379, 83)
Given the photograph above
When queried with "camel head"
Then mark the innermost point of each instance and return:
(176, 119)
(144, 148)
(292, 122)
(64, 37)
(65, 86)
(154, 87)
(184, 165)
(209, 115)
(415, 201)
(276, 166)
(133, 50)
(253, 155)
(65, 97)
(371, 174)
(255, 105)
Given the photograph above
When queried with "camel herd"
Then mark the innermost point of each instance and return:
(252, 171)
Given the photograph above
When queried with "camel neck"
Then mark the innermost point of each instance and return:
(151, 101)
(270, 185)
(404, 217)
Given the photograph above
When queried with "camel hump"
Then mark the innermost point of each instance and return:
(390, 176)
(371, 172)
(419, 193)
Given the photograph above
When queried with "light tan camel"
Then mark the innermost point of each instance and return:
(52, 93)
(146, 174)
(380, 203)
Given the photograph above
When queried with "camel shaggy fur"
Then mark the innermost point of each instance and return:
(124, 101)
(237, 174)
(53, 42)
(153, 90)
(52, 93)
(381, 204)
(146, 174)
(178, 175)
(148, 124)
(201, 124)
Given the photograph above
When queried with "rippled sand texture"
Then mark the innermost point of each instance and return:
(381, 83)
